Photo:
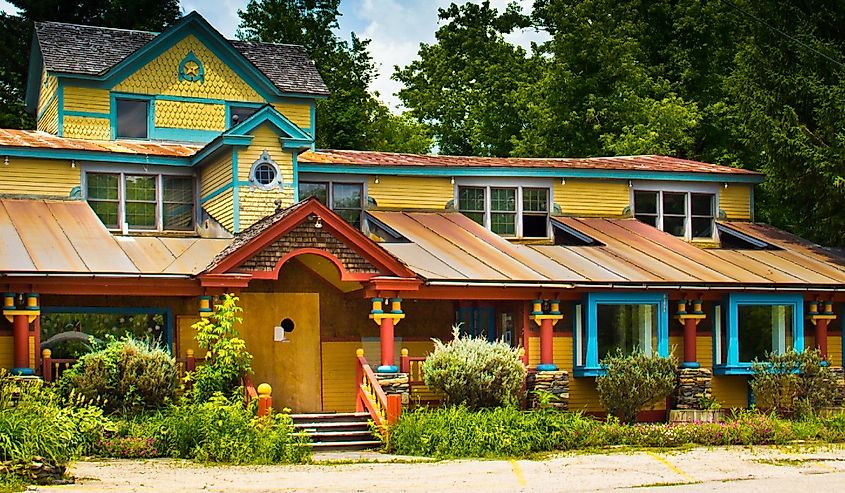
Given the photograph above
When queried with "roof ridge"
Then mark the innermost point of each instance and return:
(520, 158)
(105, 28)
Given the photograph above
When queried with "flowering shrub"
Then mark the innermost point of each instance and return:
(128, 447)
(474, 372)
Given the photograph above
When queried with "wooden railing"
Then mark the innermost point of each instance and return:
(384, 409)
(52, 368)
(262, 394)
(418, 392)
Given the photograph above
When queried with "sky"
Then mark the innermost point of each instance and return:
(395, 28)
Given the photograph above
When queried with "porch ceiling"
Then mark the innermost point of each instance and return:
(65, 236)
(447, 246)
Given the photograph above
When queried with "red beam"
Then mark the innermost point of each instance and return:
(104, 286)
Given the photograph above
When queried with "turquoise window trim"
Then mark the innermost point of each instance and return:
(87, 114)
(60, 91)
(522, 172)
(313, 109)
(732, 303)
(185, 134)
(591, 366)
(236, 199)
(115, 310)
(113, 96)
(295, 162)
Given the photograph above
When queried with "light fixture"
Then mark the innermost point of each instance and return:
(6, 160)
(452, 180)
(318, 224)
(630, 184)
(72, 163)
(376, 180)
(726, 184)
(563, 181)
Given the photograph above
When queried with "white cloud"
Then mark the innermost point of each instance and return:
(7, 7)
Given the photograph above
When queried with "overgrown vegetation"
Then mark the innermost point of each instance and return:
(475, 372)
(227, 360)
(634, 381)
(126, 375)
(458, 432)
(794, 384)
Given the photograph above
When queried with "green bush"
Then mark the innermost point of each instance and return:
(632, 382)
(128, 447)
(126, 375)
(474, 372)
(793, 384)
(227, 361)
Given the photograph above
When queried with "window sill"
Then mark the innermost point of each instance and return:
(589, 372)
(738, 369)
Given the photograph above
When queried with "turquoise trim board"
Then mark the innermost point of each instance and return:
(532, 172)
(87, 114)
(236, 199)
(313, 109)
(93, 156)
(590, 366)
(732, 365)
(114, 310)
(229, 105)
(295, 162)
(60, 91)
(268, 114)
(215, 193)
(114, 96)
(47, 105)
(184, 134)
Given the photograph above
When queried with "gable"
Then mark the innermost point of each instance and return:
(161, 76)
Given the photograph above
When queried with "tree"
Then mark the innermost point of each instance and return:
(351, 117)
(464, 85)
(150, 15)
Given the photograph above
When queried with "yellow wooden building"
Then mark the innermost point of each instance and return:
(169, 168)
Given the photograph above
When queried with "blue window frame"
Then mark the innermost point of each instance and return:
(477, 322)
(623, 320)
(138, 122)
(751, 326)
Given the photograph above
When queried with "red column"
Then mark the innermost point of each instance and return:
(387, 353)
(821, 336)
(20, 333)
(546, 344)
(689, 344)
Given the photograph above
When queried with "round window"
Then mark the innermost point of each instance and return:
(265, 174)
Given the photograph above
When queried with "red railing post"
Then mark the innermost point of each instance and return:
(404, 361)
(190, 361)
(47, 365)
(359, 377)
(394, 408)
(265, 399)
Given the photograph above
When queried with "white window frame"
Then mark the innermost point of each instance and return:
(519, 185)
(688, 190)
(159, 172)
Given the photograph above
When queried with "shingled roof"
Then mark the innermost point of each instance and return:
(90, 50)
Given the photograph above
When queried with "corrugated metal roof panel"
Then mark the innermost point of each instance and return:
(45, 241)
(13, 253)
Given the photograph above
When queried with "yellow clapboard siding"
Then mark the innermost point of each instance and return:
(198, 116)
(736, 201)
(298, 113)
(338, 362)
(186, 335)
(49, 86)
(160, 76)
(704, 351)
(256, 204)
(32, 352)
(83, 127)
(7, 352)
(44, 177)
(586, 197)
(411, 192)
(86, 99)
(221, 208)
(834, 349)
(731, 390)
(49, 121)
(216, 174)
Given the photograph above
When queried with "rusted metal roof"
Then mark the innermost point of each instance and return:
(63, 236)
(43, 140)
(618, 163)
(447, 246)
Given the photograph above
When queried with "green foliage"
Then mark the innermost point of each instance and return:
(16, 36)
(227, 360)
(100, 326)
(458, 432)
(351, 117)
(127, 375)
(632, 382)
(220, 430)
(794, 384)
(474, 372)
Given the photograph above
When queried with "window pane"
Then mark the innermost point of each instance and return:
(535, 226)
(240, 113)
(652, 220)
(319, 190)
(702, 227)
(535, 199)
(627, 327)
(503, 224)
(102, 186)
(762, 329)
(470, 199)
(351, 216)
(701, 204)
(476, 216)
(132, 118)
(141, 188)
(503, 199)
(178, 189)
(645, 202)
(141, 215)
(265, 174)
(347, 195)
(674, 225)
(674, 203)
(106, 211)
(178, 216)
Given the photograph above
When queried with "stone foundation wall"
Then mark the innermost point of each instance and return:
(555, 382)
(395, 383)
(839, 375)
(694, 386)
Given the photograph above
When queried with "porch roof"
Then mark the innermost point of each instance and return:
(449, 247)
(66, 237)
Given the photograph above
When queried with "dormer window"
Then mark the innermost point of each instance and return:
(688, 215)
(133, 116)
(238, 114)
(512, 212)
